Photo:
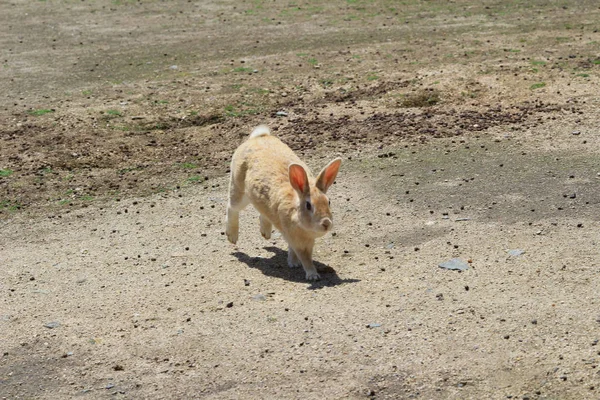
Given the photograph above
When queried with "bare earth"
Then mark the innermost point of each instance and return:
(467, 131)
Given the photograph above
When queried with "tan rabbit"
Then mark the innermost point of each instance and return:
(267, 173)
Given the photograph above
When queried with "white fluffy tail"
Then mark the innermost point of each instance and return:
(261, 130)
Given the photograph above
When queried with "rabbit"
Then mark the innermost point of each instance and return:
(267, 173)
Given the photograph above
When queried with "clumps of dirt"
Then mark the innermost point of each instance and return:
(385, 128)
(423, 98)
(366, 93)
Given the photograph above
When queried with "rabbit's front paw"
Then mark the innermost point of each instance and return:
(232, 235)
(265, 227)
(313, 276)
(293, 261)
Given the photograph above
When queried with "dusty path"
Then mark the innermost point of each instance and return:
(152, 301)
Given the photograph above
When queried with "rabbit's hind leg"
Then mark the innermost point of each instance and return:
(237, 202)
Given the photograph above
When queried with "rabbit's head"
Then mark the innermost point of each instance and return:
(314, 213)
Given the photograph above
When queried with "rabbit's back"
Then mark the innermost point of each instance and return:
(260, 165)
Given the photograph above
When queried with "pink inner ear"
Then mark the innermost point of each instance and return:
(330, 174)
(298, 178)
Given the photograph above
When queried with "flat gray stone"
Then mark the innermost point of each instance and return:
(455, 264)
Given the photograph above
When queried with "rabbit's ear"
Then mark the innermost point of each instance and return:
(328, 174)
(299, 179)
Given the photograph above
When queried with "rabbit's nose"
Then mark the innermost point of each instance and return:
(326, 223)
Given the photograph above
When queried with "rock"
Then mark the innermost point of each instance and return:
(259, 297)
(373, 325)
(281, 114)
(455, 264)
(576, 133)
(52, 325)
(173, 67)
(515, 252)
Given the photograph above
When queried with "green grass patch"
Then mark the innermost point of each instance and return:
(5, 172)
(233, 111)
(583, 75)
(41, 111)
(9, 205)
(538, 85)
(372, 77)
(243, 69)
(313, 61)
(596, 62)
(536, 62)
(195, 179)
(114, 113)
(188, 165)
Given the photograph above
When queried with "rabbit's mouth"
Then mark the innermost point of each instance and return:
(326, 224)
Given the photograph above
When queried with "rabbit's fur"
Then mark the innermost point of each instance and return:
(267, 173)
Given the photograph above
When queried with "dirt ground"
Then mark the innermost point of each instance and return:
(468, 130)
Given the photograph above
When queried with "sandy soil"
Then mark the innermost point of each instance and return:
(467, 131)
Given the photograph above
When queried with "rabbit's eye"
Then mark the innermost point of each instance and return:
(308, 206)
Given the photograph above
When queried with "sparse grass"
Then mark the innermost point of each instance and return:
(188, 165)
(536, 62)
(372, 77)
(425, 98)
(114, 113)
(259, 91)
(233, 111)
(243, 69)
(538, 85)
(41, 111)
(10, 205)
(583, 75)
(313, 61)
(5, 173)
(195, 179)
(126, 170)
